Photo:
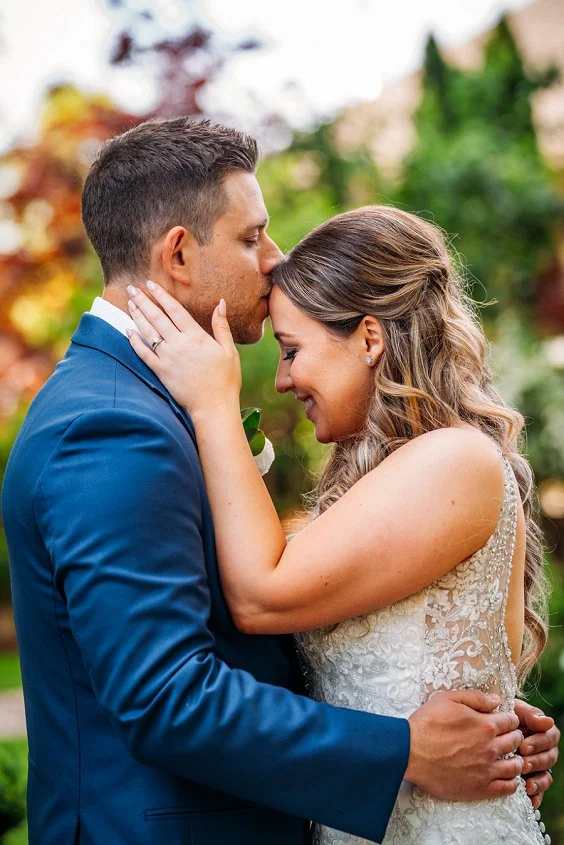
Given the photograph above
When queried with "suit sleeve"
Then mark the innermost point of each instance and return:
(119, 507)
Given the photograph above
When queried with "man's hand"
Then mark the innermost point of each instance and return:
(456, 745)
(539, 749)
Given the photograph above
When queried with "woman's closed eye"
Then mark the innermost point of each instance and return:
(290, 354)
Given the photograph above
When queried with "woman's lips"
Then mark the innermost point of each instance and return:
(308, 401)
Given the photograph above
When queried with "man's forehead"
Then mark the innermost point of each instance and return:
(245, 198)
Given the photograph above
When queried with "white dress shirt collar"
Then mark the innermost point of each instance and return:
(113, 315)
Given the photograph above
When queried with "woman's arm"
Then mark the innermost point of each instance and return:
(423, 510)
(389, 536)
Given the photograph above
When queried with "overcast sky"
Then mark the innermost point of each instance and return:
(337, 51)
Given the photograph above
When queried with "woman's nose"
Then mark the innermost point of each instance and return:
(283, 381)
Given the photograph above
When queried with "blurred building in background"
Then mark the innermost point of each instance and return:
(386, 125)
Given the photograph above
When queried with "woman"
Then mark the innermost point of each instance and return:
(420, 568)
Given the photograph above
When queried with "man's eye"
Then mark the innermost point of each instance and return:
(251, 241)
(290, 355)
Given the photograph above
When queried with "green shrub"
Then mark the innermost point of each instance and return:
(548, 694)
(10, 674)
(13, 783)
(16, 836)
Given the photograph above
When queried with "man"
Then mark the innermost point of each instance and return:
(150, 717)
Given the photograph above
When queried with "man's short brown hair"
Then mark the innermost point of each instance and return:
(160, 174)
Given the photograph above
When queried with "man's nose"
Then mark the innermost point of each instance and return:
(271, 257)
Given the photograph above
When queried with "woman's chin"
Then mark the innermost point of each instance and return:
(322, 428)
(321, 434)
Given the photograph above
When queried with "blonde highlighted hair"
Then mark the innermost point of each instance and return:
(434, 370)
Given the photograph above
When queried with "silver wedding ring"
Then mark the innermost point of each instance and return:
(156, 342)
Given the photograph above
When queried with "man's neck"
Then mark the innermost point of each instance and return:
(115, 290)
(116, 296)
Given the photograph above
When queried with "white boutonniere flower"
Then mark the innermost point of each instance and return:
(266, 458)
(261, 447)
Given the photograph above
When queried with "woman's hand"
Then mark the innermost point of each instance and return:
(202, 373)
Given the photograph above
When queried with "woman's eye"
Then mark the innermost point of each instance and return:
(290, 355)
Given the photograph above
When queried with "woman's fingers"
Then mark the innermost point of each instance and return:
(144, 353)
(147, 331)
(181, 318)
(159, 323)
(215, 371)
(221, 328)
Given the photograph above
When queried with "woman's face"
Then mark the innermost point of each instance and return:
(328, 374)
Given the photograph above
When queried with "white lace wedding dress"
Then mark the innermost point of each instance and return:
(450, 635)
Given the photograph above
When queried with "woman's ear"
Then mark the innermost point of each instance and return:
(373, 339)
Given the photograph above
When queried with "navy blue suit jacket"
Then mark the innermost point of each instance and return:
(151, 719)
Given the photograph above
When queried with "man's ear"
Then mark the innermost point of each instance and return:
(176, 248)
(372, 337)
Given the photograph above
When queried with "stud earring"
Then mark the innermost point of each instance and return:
(369, 360)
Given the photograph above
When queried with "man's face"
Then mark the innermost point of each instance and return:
(236, 262)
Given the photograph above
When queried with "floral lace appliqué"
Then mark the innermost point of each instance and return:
(450, 635)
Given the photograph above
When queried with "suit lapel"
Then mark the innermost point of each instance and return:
(95, 333)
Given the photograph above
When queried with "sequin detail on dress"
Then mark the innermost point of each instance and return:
(450, 635)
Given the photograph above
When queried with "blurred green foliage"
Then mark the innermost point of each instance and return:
(546, 690)
(478, 173)
(17, 835)
(10, 674)
(13, 780)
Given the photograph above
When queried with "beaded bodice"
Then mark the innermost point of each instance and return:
(450, 635)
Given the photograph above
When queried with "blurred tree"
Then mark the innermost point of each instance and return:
(182, 62)
(477, 170)
(313, 180)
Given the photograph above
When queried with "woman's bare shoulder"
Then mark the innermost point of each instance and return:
(453, 445)
(449, 464)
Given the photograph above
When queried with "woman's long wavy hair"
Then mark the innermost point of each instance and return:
(434, 370)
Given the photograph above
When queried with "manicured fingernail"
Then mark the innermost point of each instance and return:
(151, 285)
(222, 310)
(527, 766)
(132, 291)
(132, 306)
(129, 332)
